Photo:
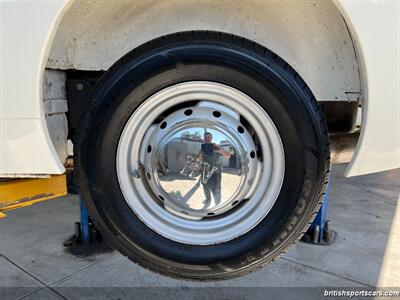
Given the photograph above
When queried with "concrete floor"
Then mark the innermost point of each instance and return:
(34, 264)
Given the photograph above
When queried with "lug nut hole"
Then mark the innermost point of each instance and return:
(163, 125)
(148, 148)
(188, 112)
(252, 154)
(216, 114)
(240, 129)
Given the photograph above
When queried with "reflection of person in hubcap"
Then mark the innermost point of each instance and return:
(210, 154)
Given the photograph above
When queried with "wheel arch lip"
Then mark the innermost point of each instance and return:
(22, 111)
(376, 149)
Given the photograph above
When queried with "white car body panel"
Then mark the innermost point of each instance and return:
(375, 26)
(26, 148)
(27, 29)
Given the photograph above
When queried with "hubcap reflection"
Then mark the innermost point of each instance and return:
(197, 170)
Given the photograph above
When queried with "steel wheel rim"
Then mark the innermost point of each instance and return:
(133, 164)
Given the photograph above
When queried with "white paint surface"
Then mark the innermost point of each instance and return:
(375, 26)
(25, 146)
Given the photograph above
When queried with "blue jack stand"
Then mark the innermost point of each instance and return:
(84, 225)
(87, 239)
(320, 231)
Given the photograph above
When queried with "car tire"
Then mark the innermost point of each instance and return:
(230, 61)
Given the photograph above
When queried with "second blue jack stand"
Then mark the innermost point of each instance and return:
(320, 231)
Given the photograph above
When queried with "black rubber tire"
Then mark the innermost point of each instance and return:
(233, 61)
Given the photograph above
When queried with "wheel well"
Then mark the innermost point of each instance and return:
(311, 36)
(340, 116)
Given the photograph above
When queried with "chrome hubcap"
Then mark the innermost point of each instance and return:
(194, 179)
(200, 163)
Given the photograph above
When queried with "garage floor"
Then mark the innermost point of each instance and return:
(34, 264)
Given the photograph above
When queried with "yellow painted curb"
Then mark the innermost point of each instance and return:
(16, 193)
